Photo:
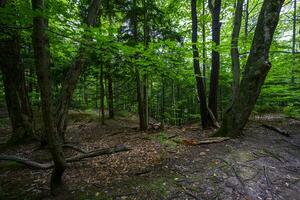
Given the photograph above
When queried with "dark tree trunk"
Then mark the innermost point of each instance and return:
(74, 73)
(110, 97)
(205, 117)
(42, 60)
(204, 43)
(16, 95)
(215, 8)
(235, 59)
(256, 70)
(139, 80)
(162, 104)
(101, 94)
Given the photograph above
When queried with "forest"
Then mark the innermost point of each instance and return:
(150, 99)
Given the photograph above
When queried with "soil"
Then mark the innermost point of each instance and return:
(262, 164)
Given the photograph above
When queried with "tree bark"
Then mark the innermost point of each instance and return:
(42, 60)
(72, 76)
(17, 101)
(256, 70)
(205, 117)
(101, 94)
(110, 97)
(235, 58)
(215, 8)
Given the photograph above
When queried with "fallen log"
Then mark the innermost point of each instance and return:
(49, 165)
(205, 141)
(278, 130)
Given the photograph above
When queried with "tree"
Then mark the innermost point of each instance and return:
(75, 71)
(42, 63)
(16, 95)
(215, 9)
(235, 59)
(256, 70)
(205, 116)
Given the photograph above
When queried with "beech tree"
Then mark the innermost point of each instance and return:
(256, 70)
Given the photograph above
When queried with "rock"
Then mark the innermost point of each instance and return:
(202, 154)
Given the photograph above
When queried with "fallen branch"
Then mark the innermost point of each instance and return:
(206, 141)
(99, 152)
(76, 158)
(278, 130)
(76, 148)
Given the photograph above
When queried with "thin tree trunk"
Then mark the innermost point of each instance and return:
(110, 97)
(235, 59)
(17, 101)
(205, 117)
(42, 60)
(74, 73)
(162, 104)
(101, 94)
(294, 40)
(204, 43)
(215, 8)
(256, 70)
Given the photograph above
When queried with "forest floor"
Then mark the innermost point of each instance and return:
(262, 164)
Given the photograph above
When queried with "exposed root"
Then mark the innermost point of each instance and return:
(278, 130)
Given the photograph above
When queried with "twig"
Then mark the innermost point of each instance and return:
(238, 177)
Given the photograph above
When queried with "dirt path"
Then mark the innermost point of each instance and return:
(261, 165)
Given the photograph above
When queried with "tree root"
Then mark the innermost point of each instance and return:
(269, 183)
(278, 130)
(205, 141)
(91, 154)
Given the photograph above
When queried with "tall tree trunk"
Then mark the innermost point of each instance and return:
(139, 79)
(42, 60)
(205, 117)
(101, 94)
(256, 70)
(16, 95)
(110, 97)
(204, 43)
(294, 39)
(235, 58)
(74, 73)
(215, 8)
(145, 77)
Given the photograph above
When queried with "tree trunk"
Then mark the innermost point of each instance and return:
(205, 117)
(42, 60)
(215, 8)
(101, 94)
(256, 70)
(235, 59)
(246, 18)
(16, 95)
(73, 74)
(204, 43)
(294, 40)
(110, 97)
